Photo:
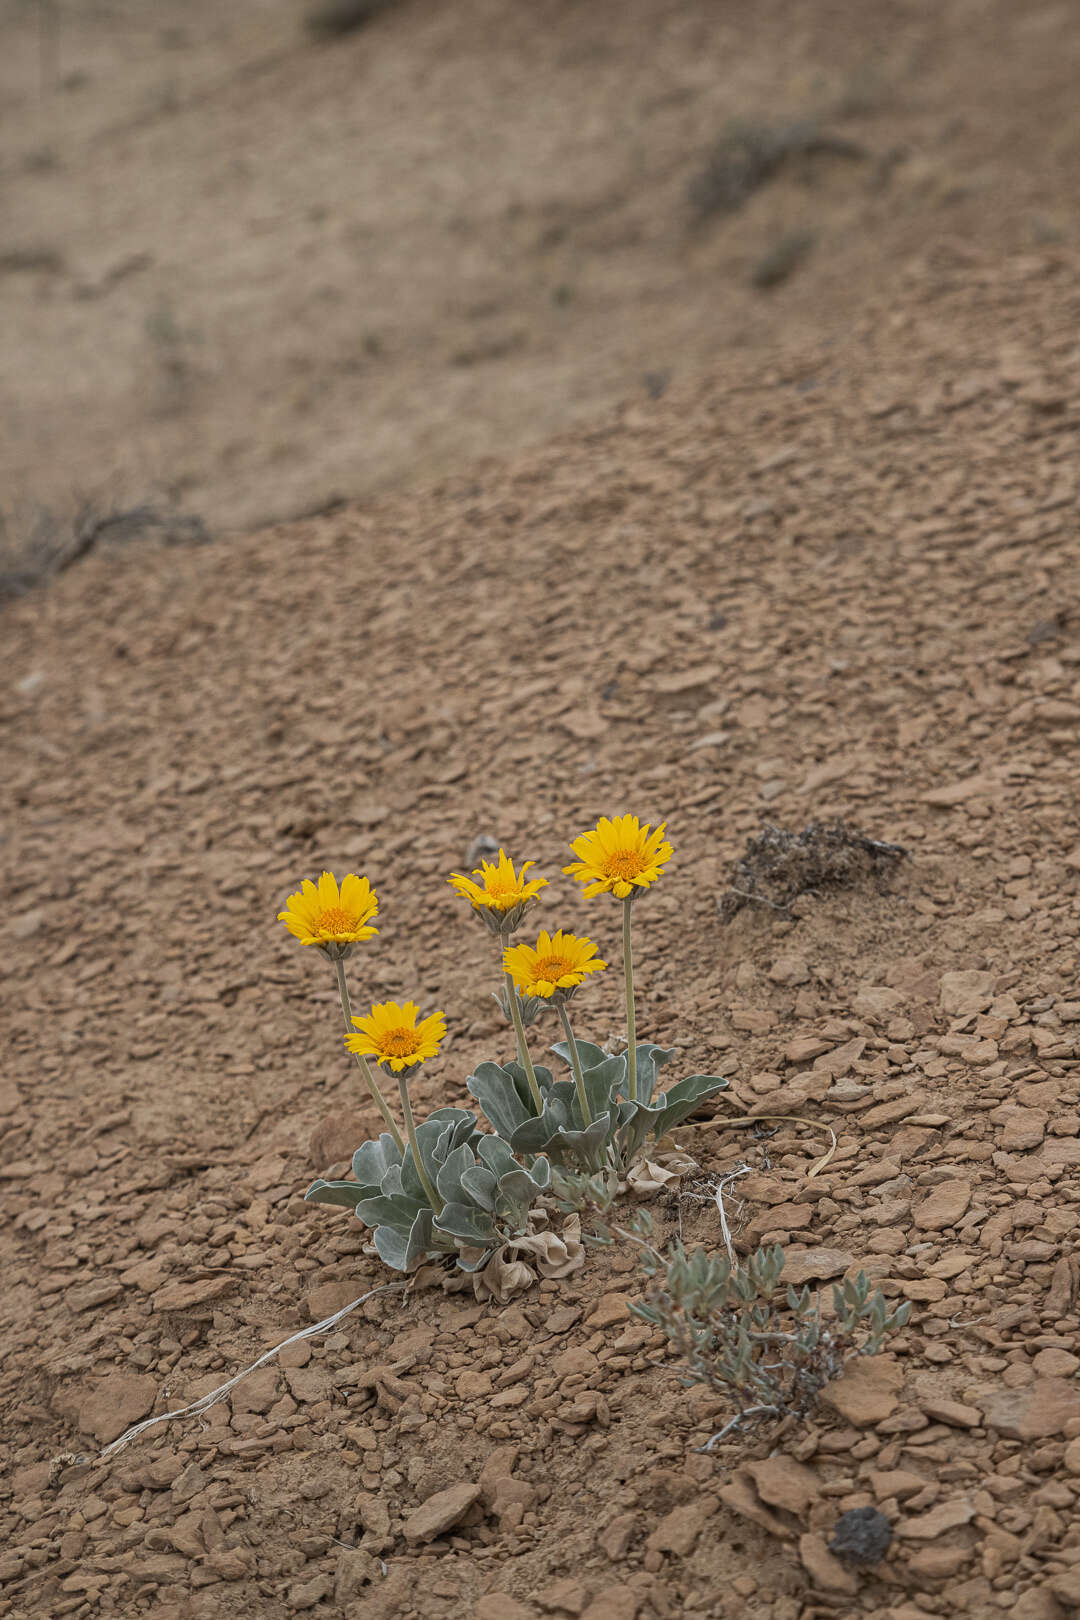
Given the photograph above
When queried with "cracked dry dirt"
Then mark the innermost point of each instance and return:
(844, 585)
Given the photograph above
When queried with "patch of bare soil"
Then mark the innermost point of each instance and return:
(846, 588)
(248, 268)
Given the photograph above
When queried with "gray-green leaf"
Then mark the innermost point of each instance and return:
(344, 1193)
(473, 1226)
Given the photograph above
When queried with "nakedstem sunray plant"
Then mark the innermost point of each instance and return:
(502, 900)
(390, 1034)
(444, 1190)
(621, 857)
(335, 920)
(447, 1188)
(553, 970)
(599, 1120)
(503, 896)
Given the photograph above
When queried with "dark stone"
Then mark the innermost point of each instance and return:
(862, 1536)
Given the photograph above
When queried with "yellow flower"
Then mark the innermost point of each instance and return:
(331, 918)
(558, 963)
(391, 1034)
(619, 856)
(503, 896)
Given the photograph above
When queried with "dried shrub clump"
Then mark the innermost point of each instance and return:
(335, 18)
(34, 547)
(748, 155)
(778, 866)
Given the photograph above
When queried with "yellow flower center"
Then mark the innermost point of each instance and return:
(502, 892)
(401, 1042)
(624, 863)
(551, 968)
(336, 921)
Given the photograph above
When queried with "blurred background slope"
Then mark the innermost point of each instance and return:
(259, 257)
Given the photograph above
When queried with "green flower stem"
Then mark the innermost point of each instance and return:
(522, 1045)
(406, 1108)
(512, 1000)
(631, 1022)
(575, 1064)
(376, 1095)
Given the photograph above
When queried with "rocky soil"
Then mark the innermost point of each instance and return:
(845, 585)
(835, 576)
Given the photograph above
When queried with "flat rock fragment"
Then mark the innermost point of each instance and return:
(814, 1265)
(185, 1296)
(944, 1207)
(441, 1512)
(826, 1572)
(928, 1526)
(678, 1530)
(115, 1404)
(1035, 1412)
(784, 1483)
(866, 1392)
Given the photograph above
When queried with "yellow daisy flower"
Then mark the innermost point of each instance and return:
(391, 1034)
(557, 964)
(502, 896)
(619, 856)
(330, 917)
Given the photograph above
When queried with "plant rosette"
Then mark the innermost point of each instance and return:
(615, 1135)
(484, 1194)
